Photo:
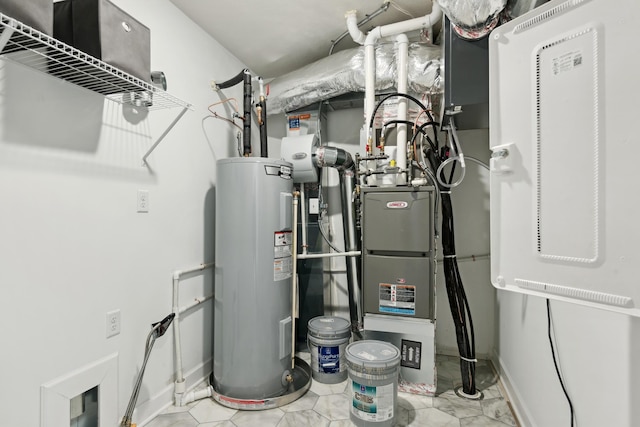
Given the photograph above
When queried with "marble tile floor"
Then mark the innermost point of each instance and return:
(327, 405)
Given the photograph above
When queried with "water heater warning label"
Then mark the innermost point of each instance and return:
(282, 255)
(282, 244)
(400, 299)
(282, 268)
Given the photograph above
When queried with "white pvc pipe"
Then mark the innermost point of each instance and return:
(179, 273)
(294, 281)
(194, 303)
(372, 38)
(179, 384)
(303, 219)
(401, 139)
(329, 255)
(192, 396)
(352, 25)
(426, 21)
(369, 85)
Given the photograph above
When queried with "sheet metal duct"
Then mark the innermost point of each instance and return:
(343, 72)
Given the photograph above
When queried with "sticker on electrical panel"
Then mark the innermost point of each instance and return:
(566, 62)
(398, 299)
(282, 268)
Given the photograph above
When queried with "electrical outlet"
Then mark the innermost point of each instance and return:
(143, 200)
(113, 323)
(314, 208)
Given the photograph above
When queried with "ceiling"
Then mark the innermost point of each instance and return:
(278, 36)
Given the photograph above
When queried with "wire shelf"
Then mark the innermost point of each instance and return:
(25, 45)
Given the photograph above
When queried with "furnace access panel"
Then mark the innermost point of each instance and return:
(398, 251)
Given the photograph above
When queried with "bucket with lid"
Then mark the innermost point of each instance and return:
(327, 340)
(373, 371)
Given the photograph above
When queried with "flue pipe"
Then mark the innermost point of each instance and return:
(372, 38)
(401, 140)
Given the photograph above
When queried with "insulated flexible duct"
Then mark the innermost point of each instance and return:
(343, 72)
(473, 19)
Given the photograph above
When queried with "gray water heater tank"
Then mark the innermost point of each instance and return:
(252, 329)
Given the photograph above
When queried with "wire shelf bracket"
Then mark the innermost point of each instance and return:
(24, 45)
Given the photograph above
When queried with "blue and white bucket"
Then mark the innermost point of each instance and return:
(373, 389)
(327, 340)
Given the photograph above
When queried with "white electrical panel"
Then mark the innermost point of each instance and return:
(563, 93)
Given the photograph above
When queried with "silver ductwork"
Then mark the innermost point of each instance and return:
(473, 19)
(343, 72)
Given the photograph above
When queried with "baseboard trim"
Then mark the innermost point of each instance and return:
(523, 418)
(158, 403)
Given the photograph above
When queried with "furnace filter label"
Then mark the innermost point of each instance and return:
(400, 299)
(282, 256)
(372, 403)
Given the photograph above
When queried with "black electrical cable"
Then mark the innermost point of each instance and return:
(397, 122)
(555, 363)
(458, 302)
(232, 81)
(403, 95)
(421, 130)
(457, 298)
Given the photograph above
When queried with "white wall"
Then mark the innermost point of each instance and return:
(72, 246)
(598, 354)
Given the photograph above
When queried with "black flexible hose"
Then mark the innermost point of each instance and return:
(404, 95)
(232, 81)
(421, 130)
(398, 122)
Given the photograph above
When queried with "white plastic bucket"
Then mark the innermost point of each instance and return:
(327, 340)
(373, 371)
